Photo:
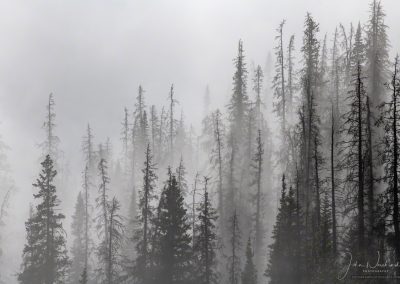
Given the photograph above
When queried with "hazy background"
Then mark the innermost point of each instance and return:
(93, 54)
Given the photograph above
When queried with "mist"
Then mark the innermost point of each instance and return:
(93, 55)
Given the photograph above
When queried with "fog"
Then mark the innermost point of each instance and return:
(92, 55)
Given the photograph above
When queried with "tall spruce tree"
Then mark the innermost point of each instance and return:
(45, 258)
(173, 251)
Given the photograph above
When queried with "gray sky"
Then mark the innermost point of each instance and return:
(93, 54)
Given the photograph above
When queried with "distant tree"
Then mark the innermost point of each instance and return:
(257, 197)
(205, 244)
(249, 274)
(217, 156)
(45, 258)
(279, 81)
(51, 142)
(377, 54)
(235, 245)
(78, 250)
(172, 127)
(181, 177)
(258, 88)
(291, 78)
(239, 103)
(145, 218)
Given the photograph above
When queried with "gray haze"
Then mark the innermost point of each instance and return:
(93, 55)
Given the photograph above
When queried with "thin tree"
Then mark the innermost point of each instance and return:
(205, 245)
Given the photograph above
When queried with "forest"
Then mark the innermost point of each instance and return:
(311, 197)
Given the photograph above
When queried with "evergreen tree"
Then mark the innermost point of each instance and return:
(45, 258)
(249, 274)
(79, 261)
(291, 79)
(173, 253)
(145, 219)
(51, 142)
(389, 154)
(376, 53)
(180, 177)
(205, 244)
(353, 150)
(279, 82)
(239, 103)
(235, 244)
(284, 251)
(257, 198)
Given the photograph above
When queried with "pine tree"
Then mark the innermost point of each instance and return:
(389, 155)
(249, 274)
(102, 226)
(205, 244)
(217, 156)
(279, 82)
(145, 219)
(51, 142)
(173, 251)
(78, 250)
(235, 244)
(45, 258)
(291, 79)
(284, 251)
(238, 107)
(376, 53)
(258, 88)
(113, 257)
(181, 177)
(171, 124)
(353, 150)
(257, 197)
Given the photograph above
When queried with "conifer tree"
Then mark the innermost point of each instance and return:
(205, 245)
(279, 81)
(51, 142)
(291, 79)
(249, 274)
(145, 219)
(353, 151)
(376, 53)
(181, 177)
(234, 266)
(389, 155)
(217, 156)
(239, 103)
(284, 251)
(173, 253)
(257, 197)
(78, 250)
(45, 258)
